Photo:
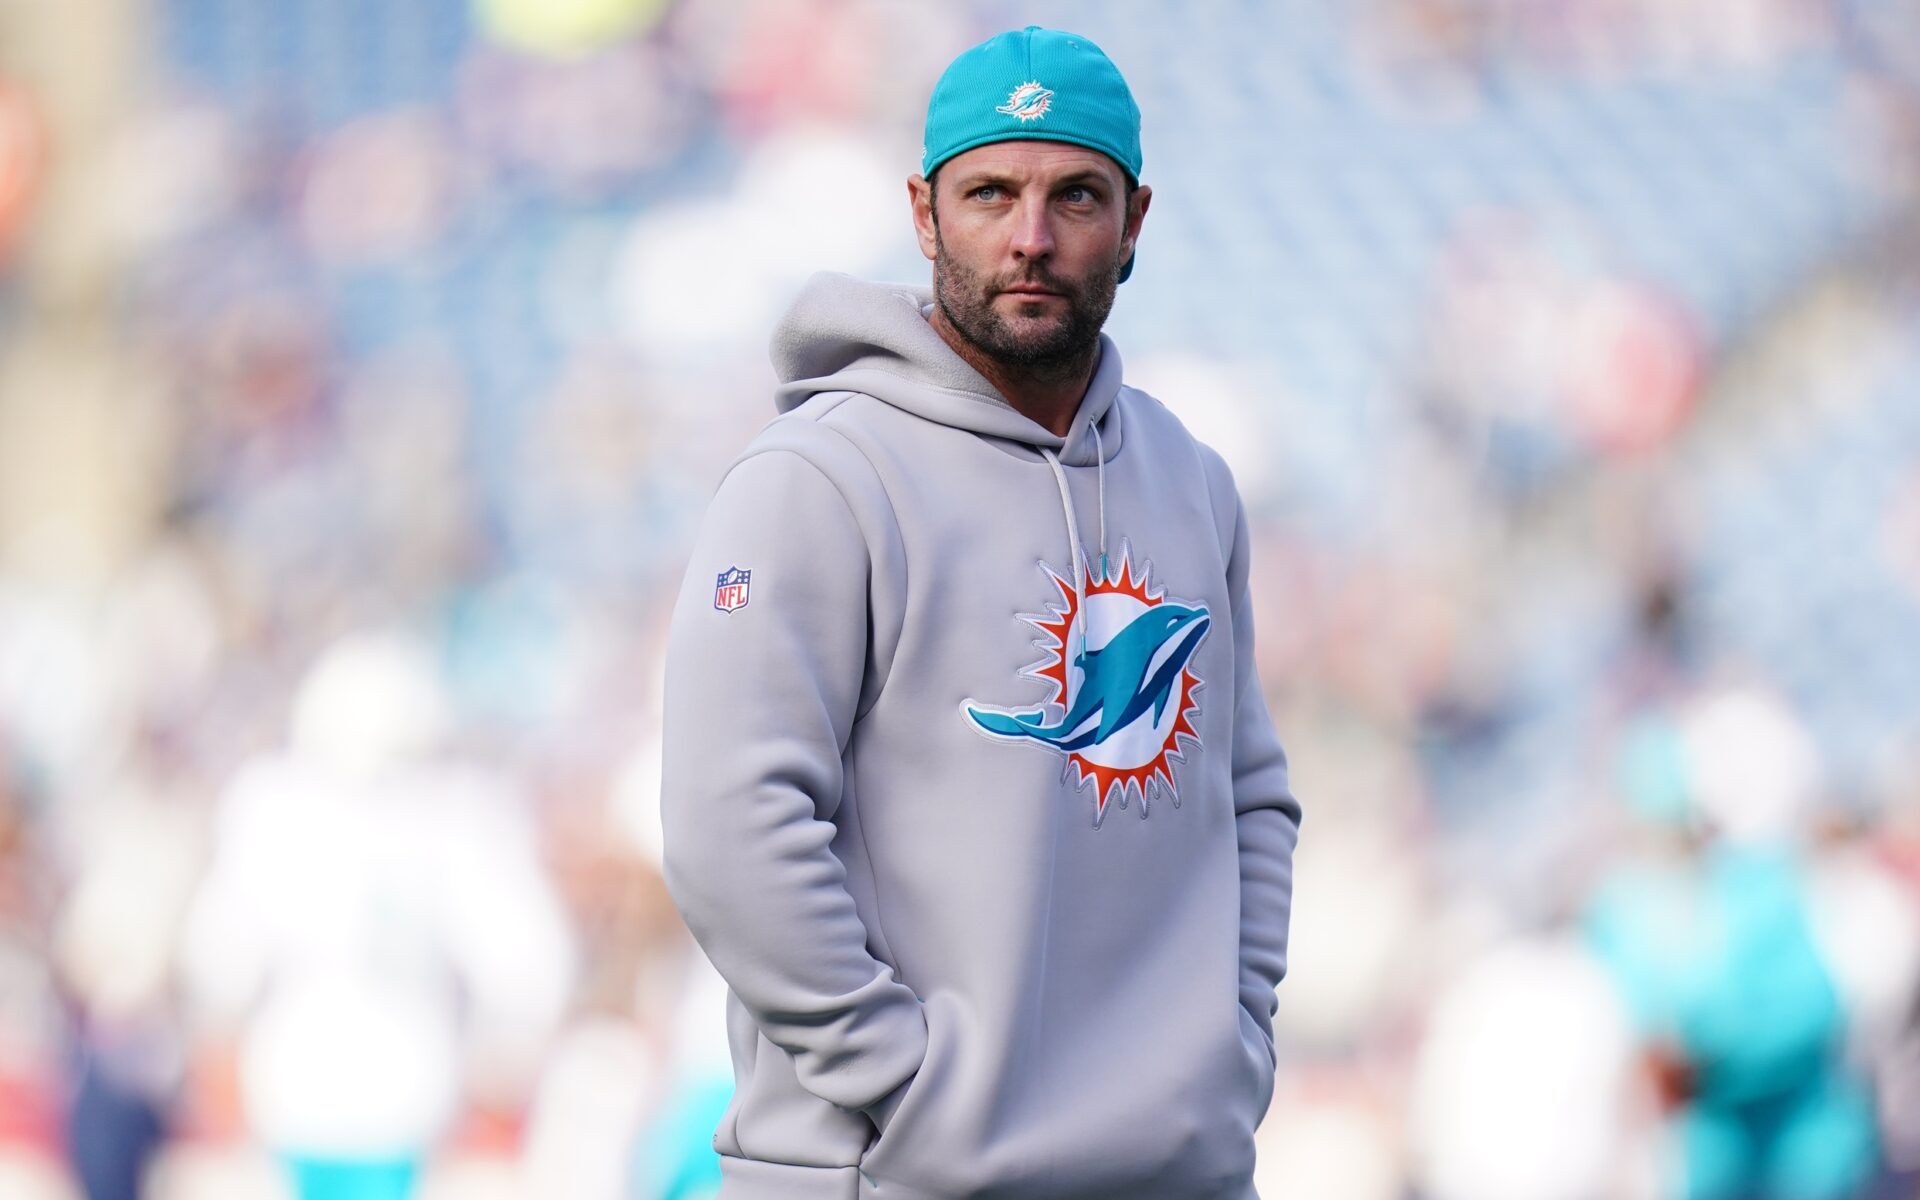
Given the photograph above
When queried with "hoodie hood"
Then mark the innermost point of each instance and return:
(843, 334)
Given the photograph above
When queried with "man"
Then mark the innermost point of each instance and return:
(983, 821)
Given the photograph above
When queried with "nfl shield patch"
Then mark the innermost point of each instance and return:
(730, 589)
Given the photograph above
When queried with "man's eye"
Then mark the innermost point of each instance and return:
(981, 192)
(1077, 194)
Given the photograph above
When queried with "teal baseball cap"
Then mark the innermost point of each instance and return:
(1034, 84)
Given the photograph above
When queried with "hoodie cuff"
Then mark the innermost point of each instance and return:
(880, 1109)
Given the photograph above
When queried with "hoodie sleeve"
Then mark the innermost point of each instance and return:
(1266, 812)
(760, 700)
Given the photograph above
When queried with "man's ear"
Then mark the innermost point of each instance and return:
(920, 196)
(1136, 213)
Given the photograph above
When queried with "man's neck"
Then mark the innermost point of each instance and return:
(1049, 397)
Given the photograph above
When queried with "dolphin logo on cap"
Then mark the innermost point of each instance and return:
(1028, 102)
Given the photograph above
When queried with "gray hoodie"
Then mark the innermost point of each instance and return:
(969, 789)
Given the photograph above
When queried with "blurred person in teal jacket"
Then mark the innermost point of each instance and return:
(1709, 938)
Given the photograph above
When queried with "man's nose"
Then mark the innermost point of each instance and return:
(1033, 229)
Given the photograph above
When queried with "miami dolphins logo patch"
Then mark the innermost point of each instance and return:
(1118, 708)
(1028, 102)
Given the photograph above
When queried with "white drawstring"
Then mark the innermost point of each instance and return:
(1073, 528)
(1100, 475)
(1073, 539)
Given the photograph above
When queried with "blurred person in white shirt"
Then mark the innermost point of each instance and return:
(376, 920)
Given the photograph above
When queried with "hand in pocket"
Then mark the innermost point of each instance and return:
(1260, 1053)
(881, 1111)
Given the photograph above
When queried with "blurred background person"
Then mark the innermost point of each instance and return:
(114, 943)
(1710, 934)
(379, 926)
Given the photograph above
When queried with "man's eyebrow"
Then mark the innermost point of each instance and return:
(983, 178)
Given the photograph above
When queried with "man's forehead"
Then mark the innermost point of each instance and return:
(1033, 159)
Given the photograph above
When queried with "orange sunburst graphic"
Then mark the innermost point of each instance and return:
(1137, 757)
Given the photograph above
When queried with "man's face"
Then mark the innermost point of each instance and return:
(1027, 240)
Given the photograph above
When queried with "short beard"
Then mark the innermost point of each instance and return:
(1061, 353)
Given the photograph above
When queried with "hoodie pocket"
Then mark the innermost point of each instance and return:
(1260, 1060)
(898, 1135)
(773, 1118)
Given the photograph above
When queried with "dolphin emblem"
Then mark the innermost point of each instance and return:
(1115, 683)
(1028, 102)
